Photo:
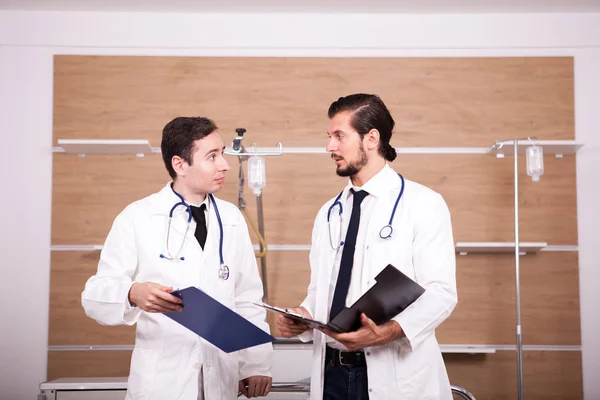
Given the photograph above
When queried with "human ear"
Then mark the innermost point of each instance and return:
(372, 141)
(179, 165)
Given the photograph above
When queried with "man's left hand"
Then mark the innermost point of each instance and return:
(255, 386)
(369, 334)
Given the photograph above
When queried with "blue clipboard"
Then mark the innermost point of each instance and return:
(216, 323)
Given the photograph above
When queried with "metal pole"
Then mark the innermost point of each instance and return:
(517, 278)
(263, 260)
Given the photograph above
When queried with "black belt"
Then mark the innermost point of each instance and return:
(346, 358)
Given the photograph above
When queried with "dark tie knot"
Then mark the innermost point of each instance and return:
(359, 196)
(198, 212)
(200, 218)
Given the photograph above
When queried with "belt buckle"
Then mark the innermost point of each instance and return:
(340, 360)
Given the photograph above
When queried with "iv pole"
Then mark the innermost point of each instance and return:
(519, 339)
(517, 277)
(237, 149)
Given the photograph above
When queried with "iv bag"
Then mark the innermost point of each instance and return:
(535, 162)
(256, 174)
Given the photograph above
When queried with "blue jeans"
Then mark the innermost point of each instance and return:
(345, 383)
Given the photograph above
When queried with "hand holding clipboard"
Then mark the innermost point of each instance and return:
(286, 312)
(392, 293)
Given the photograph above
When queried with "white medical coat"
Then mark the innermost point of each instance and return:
(422, 247)
(169, 361)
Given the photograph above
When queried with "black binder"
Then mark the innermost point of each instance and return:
(392, 293)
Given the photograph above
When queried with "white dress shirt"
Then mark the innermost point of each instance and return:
(374, 187)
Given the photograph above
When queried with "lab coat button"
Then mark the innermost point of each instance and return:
(370, 390)
(197, 366)
(368, 353)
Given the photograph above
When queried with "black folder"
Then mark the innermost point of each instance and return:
(392, 293)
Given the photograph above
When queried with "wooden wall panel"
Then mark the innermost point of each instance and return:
(486, 314)
(69, 272)
(289, 276)
(548, 375)
(436, 101)
(550, 299)
(85, 364)
(479, 192)
(288, 279)
(88, 193)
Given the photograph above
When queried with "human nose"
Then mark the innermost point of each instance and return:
(224, 164)
(332, 145)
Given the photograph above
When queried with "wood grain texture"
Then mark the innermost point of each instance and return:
(88, 193)
(437, 102)
(69, 272)
(485, 313)
(86, 364)
(550, 375)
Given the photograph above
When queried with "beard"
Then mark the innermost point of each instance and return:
(354, 168)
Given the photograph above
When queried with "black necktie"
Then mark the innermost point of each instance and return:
(343, 280)
(200, 218)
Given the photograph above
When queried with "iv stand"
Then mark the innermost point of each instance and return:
(237, 149)
(498, 145)
(517, 277)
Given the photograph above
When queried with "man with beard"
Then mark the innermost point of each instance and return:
(398, 359)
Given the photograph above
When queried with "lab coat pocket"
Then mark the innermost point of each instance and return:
(220, 375)
(144, 362)
(416, 376)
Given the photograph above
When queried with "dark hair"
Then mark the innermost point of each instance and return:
(368, 112)
(178, 138)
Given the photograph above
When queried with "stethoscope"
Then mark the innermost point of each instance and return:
(223, 269)
(384, 233)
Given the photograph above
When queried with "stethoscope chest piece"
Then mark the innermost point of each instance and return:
(386, 232)
(224, 272)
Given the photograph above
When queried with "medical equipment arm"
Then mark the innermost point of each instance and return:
(434, 262)
(105, 297)
(253, 361)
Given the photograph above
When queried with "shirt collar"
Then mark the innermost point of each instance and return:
(167, 198)
(381, 183)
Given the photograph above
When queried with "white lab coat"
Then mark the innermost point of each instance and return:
(422, 247)
(169, 361)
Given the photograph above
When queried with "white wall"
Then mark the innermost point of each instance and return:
(29, 40)
(25, 165)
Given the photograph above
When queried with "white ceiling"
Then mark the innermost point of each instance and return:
(312, 6)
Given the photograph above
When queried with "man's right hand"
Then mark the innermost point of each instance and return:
(152, 297)
(288, 327)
